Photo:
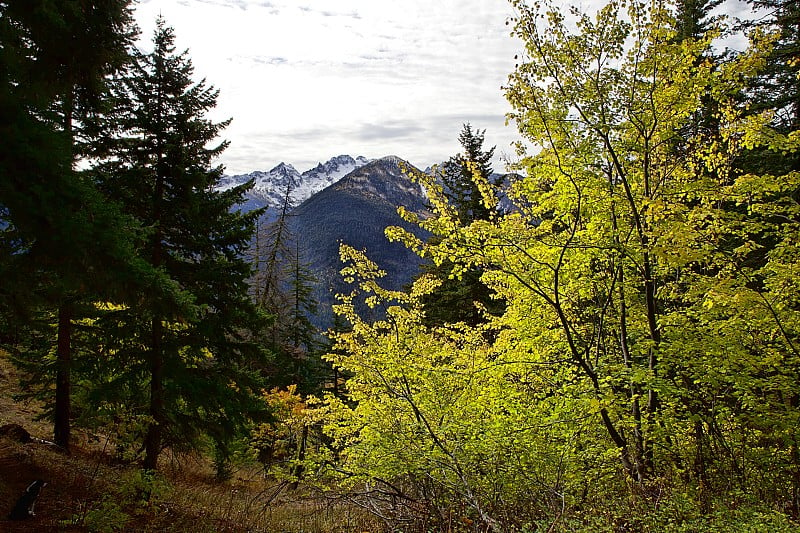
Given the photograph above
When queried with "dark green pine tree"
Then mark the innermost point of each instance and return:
(454, 300)
(777, 88)
(693, 20)
(302, 337)
(456, 175)
(272, 252)
(693, 17)
(283, 288)
(197, 366)
(63, 242)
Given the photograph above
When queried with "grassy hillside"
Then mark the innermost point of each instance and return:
(90, 490)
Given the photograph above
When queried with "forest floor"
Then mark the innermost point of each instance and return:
(90, 490)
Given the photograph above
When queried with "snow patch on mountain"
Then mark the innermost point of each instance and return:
(323, 175)
(271, 187)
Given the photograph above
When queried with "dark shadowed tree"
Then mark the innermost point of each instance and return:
(777, 88)
(63, 242)
(198, 365)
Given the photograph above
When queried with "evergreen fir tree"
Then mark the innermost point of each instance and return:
(693, 18)
(301, 335)
(454, 300)
(777, 88)
(62, 239)
(283, 288)
(198, 364)
(272, 261)
(693, 21)
(457, 175)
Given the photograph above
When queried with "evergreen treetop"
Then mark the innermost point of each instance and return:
(457, 175)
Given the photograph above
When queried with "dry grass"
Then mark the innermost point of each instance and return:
(87, 487)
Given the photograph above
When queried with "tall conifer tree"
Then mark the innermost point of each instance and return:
(283, 289)
(454, 300)
(777, 88)
(163, 173)
(457, 175)
(64, 240)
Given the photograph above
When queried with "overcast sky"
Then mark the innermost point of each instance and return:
(305, 80)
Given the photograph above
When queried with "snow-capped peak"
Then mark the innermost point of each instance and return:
(284, 169)
(324, 175)
(270, 187)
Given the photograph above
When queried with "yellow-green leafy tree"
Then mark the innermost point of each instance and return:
(648, 351)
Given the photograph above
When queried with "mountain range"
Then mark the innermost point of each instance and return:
(271, 187)
(344, 200)
(356, 210)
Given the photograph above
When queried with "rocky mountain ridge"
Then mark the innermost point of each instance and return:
(345, 200)
(271, 186)
(356, 210)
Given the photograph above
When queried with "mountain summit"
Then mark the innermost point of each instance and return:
(356, 210)
(270, 187)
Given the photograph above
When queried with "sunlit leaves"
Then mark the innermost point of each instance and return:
(651, 324)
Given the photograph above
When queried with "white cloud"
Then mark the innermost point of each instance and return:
(304, 82)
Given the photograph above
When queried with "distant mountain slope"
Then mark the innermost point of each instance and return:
(356, 210)
(270, 187)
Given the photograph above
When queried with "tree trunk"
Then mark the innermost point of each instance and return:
(700, 470)
(154, 437)
(61, 417)
(61, 422)
(298, 469)
(154, 431)
(795, 457)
